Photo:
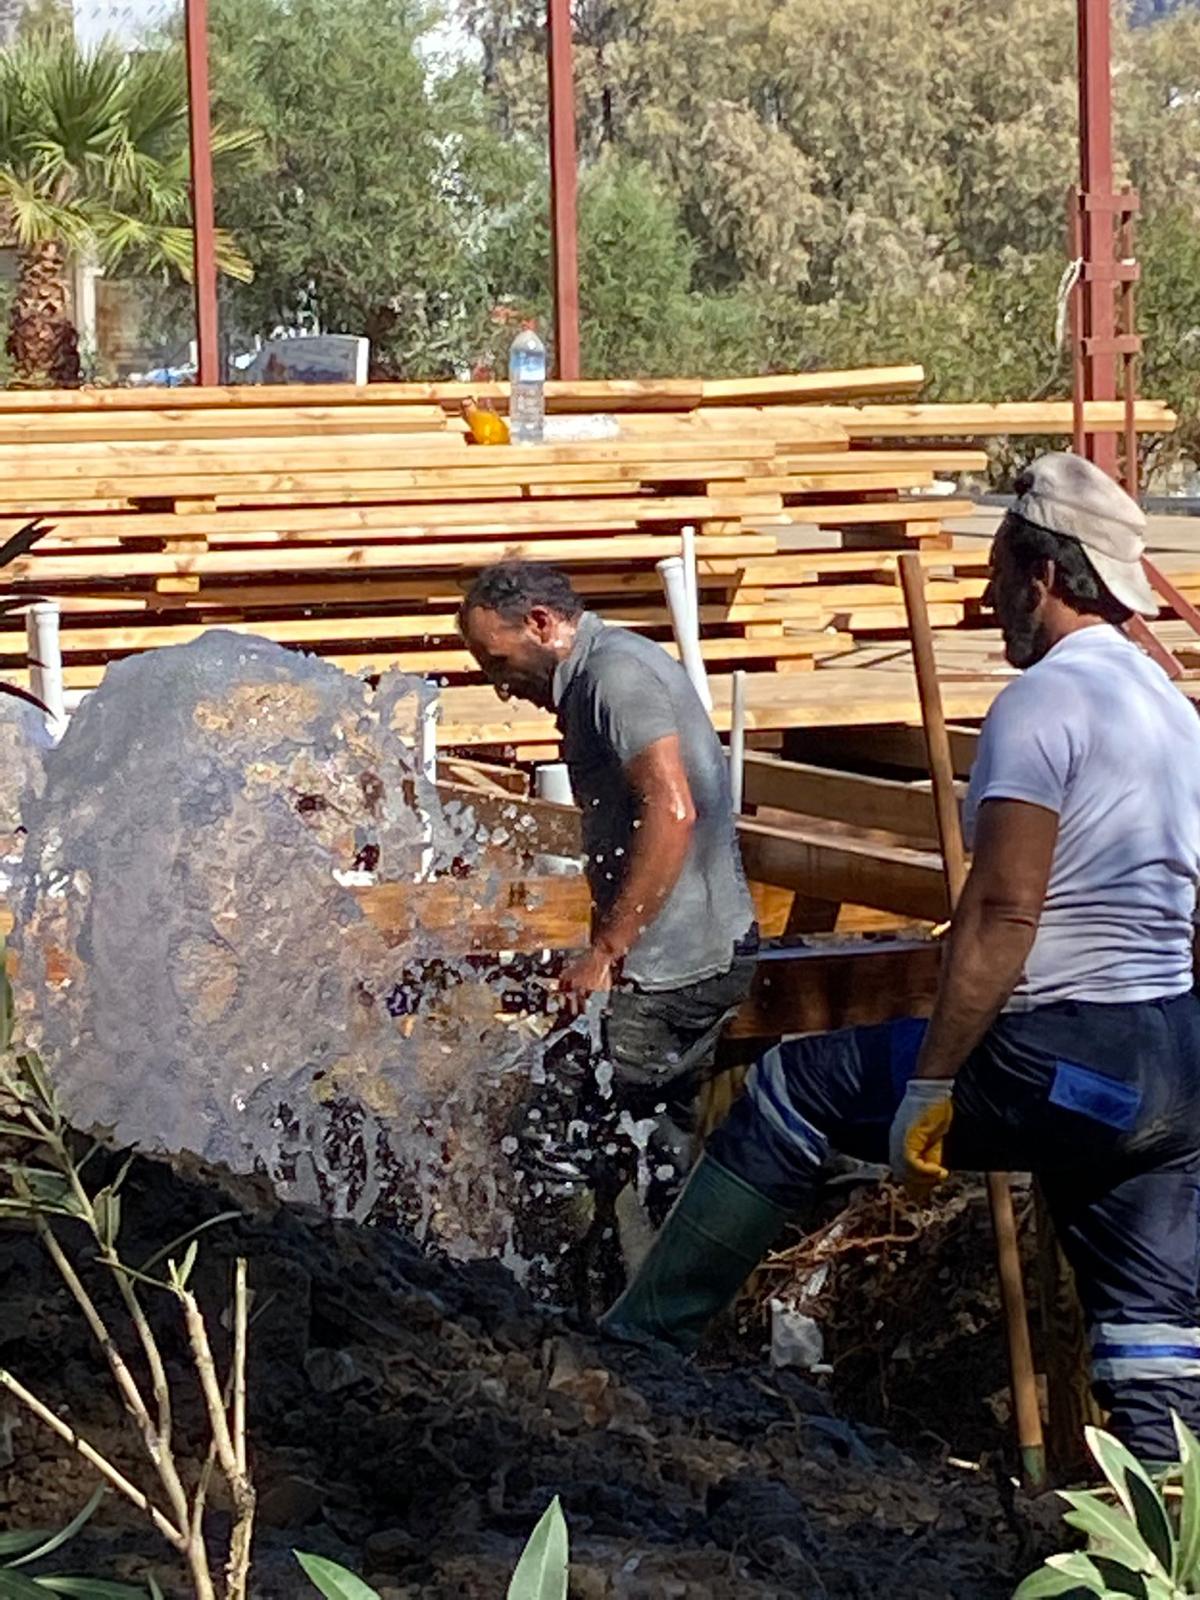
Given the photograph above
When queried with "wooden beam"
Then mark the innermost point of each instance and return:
(826, 986)
(463, 915)
(903, 881)
(844, 797)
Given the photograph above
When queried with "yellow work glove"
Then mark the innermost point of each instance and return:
(918, 1131)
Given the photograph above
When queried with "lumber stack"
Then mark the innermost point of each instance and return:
(349, 521)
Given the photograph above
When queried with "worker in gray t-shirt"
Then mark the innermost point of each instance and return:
(673, 936)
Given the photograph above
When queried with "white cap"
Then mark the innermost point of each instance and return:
(1069, 495)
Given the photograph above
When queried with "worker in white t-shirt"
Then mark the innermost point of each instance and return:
(1065, 1039)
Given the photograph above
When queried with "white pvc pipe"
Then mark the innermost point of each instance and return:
(428, 755)
(737, 741)
(45, 663)
(671, 571)
(688, 543)
(552, 782)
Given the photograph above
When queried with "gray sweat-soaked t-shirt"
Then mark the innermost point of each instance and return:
(615, 694)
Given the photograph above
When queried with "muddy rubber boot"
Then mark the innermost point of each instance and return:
(716, 1234)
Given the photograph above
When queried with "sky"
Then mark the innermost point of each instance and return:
(124, 18)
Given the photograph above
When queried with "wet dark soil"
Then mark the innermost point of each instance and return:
(412, 1418)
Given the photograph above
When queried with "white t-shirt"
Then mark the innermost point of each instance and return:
(1098, 733)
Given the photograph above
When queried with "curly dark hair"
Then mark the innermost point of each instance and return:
(513, 588)
(1076, 582)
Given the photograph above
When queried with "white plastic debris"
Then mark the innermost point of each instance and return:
(796, 1339)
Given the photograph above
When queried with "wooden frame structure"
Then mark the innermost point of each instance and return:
(1097, 340)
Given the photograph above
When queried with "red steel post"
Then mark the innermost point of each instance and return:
(1098, 207)
(203, 223)
(563, 189)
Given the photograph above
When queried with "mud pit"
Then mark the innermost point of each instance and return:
(412, 1417)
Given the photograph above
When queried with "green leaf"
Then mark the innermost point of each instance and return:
(1046, 1581)
(57, 1540)
(6, 1004)
(335, 1582)
(1116, 1534)
(155, 1592)
(16, 1586)
(1154, 1524)
(1187, 1554)
(541, 1573)
(106, 1203)
(16, 1543)
(48, 1190)
(34, 1073)
(1118, 1466)
(90, 1589)
(1120, 1579)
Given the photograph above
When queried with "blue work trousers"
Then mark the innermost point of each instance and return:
(1100, 1102)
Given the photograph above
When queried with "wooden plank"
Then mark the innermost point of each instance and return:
(801, 483)
(836, 984)
(525, 825)
(952, 460)
(612, 394)
(942, 421)
(417, 521)
(889, 746)
(800, 386)
(152, 457)
(373, 482)
(186, 426)
(834, 697)
(845, 797)
(463, 915)
(878, 511)
(904, 881)
(433, 656)
(41, 570)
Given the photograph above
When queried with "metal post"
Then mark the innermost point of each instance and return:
(1097, 215)
(203, 223)
(563, 189)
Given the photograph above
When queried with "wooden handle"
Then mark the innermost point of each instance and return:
(1023, 1380)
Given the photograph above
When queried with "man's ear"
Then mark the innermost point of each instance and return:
(543, 622)
(1044, 582)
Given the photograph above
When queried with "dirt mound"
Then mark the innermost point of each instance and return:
(412, 1418)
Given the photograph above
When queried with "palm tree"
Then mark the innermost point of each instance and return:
(93, 160)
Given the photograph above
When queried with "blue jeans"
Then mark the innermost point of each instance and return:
(1101, 1102)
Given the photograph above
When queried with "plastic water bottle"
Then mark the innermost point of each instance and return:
(527, 394)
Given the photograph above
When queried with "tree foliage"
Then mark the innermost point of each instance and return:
(93, 159)
(771, 185)
(375, 175)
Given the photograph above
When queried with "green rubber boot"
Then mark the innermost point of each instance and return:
(715, 1235)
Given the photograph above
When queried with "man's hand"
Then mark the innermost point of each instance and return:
(589, 974)
(918, 1131)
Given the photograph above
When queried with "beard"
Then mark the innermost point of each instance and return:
(1025, 640)
(534, 680)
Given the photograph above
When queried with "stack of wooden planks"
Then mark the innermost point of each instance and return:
(349, 521)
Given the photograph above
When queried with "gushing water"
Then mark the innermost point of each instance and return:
(197, 966)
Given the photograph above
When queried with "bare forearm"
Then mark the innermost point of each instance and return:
(656, 858)
(986, 955)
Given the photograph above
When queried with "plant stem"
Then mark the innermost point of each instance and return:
(176, 1536)
(157, 1440)
(239, 1364)
(232, 1465)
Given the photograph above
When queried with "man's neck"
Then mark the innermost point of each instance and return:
(1065, 622)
